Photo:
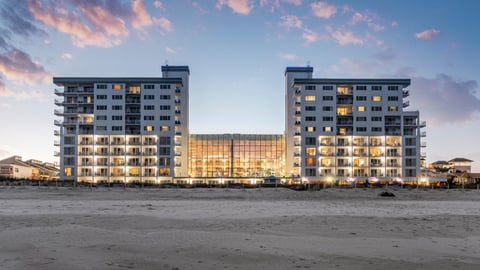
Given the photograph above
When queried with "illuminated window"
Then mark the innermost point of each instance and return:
(117, 87)
(134, 172)
(311, 151)
(134, 89)
(327, 129)
(343, 111)
(310, 129)
(68, 171)
(392, 108)
(164, 128)
(376, 98)
(343, 90)
(309, 98)
(310, 161)
(148, 128)
(361, 108)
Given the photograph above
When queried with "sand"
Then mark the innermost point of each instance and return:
(65, 228)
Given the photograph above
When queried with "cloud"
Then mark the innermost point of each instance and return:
(385, 56)
(323, 9)
(293, 2)
(291, 21)
(67, 56)
(140, 17)
(199, 8)
(164, 23)
(158, 4)
(445, 100)
(427, 34)
(17, 20)
(367, 17)
(344, 37)
(170, 50)
(394, 24)
(243, 7)
(309, 36)
(18, 66)
(362, 68)
(288, 56)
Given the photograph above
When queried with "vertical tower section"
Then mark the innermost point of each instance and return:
(293, 113)
(181, 104)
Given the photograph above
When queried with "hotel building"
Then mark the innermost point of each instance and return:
(123, 129)
(350, 129)
(136, 130)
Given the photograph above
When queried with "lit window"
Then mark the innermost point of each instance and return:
(164, 128)
(392, 108)
(361, 108)
(376, 98)
(343, 90)
(310, 161)
(310, 129)
(117, 87)
(343, 111)
(309, 98)
(310, 151)
(68, 171)
(134, 89)
(148, 128)
(327, 129)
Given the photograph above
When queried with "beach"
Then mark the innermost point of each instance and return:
(267, 228)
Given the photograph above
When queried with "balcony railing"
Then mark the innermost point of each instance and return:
(423, 124)
(58, 91)
(406, 93)
(406, 104)
(423, 134)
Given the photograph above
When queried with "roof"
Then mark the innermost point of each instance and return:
(60, 81)
(403, 82)
(440, 162)
(298, 69)
(460, 160)
(176, 68)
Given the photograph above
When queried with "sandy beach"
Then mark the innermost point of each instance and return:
(101, 228)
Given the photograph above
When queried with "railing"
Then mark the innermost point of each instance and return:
(406, 104)
(344, 164)
(423, 134)
(56, 143)
(134, 143)
(297, 134)
(406, 93)
(178, 133)
(326, 154)
(392, 123)
(393, 154)
(85, 154)
(149, 142)
(132, 122)
(177, 101)
(296, 154)
(297, 123)
(177, 111)
(151, 153)
(178, 154)
(58, 91)
(133, 153)
(423, 124)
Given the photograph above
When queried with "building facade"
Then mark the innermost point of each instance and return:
(350, 129)
(123, 129)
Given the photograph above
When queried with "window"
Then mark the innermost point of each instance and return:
(327, 129)
(310, 141)
(117, 97)
(310, 129)
(148, 117)
(134, 89)
(309, 98)
(392, 108)
(361, 98)
(164, 117)
(149, 107)
(117, 87)
(101, 128)
(361, 108)
(164, 151)
(310, 108)
(327, 118)
(117, 107)
(376, 98)
(392, 88)
(310, 162)
(411, 162)
(343, 90)
(310, 172)
(410, 151)
(361, 129)
(410, 141)
(101, 86)
(101, 107)
(165, 128)
(164, 107)
(327, 98)
(376, 118)
(376, 108)
(327, 108)
(117, 128)
(164, 140)
(361, 118)
(377, 88)
(148, 128)
(165, 86)
(361, 87)
(328, 87)
(310, 151)
(148, 86)
(101, 117)
(164, 161)
(101, 96)
(392, 98)
(116, 117)
(164, 97)
(310, 118)
(148, 97)
(376, 129)
(310, 87)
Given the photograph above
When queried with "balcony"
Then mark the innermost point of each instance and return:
(423, 155)
(327, 144)
(392, 123)
(406, 104)
(423, 134)
(133, 153)
(56, 133)
(296, 164)
(178, 91)
(406, 93)
(177, 123)
(150, 153)
(115, 142)
(149, 142)
(117, 164)
(177, 101)
(56, 154)
(361, 154)
(100, 163)
(134, 143)
(177, 112)
(59, 92)
(297, 144)
(85, 154)
(86, 164)
(103, 153)
(118, 153)
(326, 154)
(423, 144)
(327, 165)
(296, 154)
(178, 143)
(134, 164)
(298, 112)
(296, 134)
(297, 92)
(56, 143)
(178, 133)
(297, 123)
(344, 164)
(178, 154)
(422, 124)
(298, 103)
(178, 164)
(149, 164)
(85, 142)
(101, 174)
(58, 122)
(343, 154)
(393, 154)
(117, 174)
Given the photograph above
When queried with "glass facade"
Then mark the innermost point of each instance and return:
(236, 155)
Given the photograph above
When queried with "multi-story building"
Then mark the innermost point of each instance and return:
(350, 129)
(123, 129)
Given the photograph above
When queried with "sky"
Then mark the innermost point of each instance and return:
(237, 51)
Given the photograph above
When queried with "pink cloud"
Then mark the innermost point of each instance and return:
(309, 36)
(242, 7)
(18, 66)
(344, 37)
(158, 4)
(323, 9)
(293, 2)
(291, 21)
(288, 56)
(170, 50)
(140, 17)
(427, 34)
(67, 56)
(199, 8)
(164, 23)
(394, 24)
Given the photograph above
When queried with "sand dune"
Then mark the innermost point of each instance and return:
(47, 228)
